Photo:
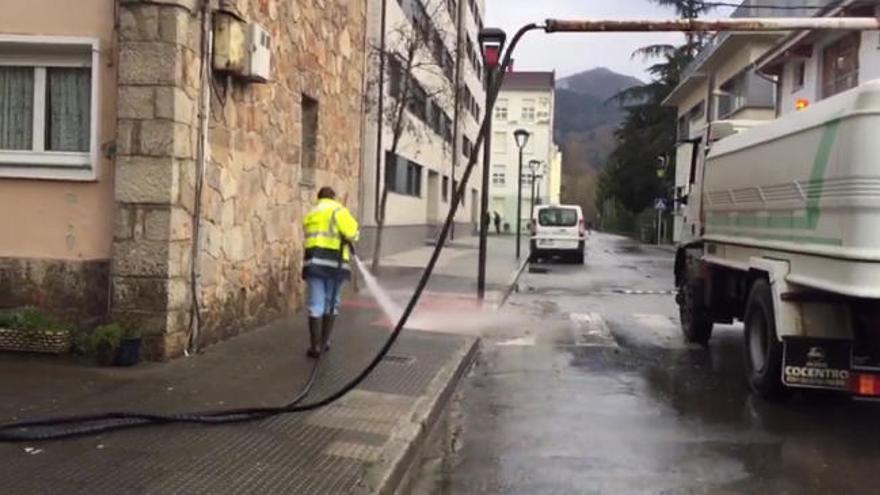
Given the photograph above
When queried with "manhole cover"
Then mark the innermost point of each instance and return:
(401, 360)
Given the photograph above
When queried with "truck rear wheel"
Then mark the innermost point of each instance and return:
(696, 324)
(763, 350)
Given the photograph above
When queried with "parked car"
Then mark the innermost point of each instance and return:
(558, 230)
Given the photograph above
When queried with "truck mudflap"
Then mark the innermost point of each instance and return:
(817, 363)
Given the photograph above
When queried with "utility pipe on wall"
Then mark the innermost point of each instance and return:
(753, 24)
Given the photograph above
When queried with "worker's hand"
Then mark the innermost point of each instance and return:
(349, 243)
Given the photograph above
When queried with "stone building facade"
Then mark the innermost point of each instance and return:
(212, 172)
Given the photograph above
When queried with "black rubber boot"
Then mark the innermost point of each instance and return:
(314, 338)
(329, 320)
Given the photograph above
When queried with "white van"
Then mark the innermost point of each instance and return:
(558, 230)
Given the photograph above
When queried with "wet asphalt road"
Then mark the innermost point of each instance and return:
(596, 392)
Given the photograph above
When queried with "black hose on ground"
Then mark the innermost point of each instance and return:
(105, 422)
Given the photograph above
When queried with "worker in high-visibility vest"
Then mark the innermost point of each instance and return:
(330, 231)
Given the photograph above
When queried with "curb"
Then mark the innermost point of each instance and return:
(402, 450)
(512, 283)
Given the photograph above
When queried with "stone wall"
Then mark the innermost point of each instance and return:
(254, 196)
(256, 192)
(157, 127)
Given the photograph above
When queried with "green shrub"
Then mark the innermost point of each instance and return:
(105, 338)
(29, 319)
(130, 329)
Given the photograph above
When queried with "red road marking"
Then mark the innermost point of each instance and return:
(431, 302)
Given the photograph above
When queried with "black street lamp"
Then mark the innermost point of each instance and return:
(522, 139)
(534, 166)
(492, 43)
(543, 175)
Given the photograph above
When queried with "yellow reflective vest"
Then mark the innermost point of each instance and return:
(325, 227)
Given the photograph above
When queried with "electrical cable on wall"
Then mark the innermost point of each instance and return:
(195, 317)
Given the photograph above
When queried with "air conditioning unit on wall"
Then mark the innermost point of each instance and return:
(259, 63)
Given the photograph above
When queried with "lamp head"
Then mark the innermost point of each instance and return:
(522, 138)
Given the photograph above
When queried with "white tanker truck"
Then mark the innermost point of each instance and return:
(783, 220)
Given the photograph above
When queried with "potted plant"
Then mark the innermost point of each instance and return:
(129, 351)
(103, 343)
(31, 330)
(113, 344)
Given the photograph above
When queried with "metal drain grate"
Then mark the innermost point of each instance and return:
(400, 360)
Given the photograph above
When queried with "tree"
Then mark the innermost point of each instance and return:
(415, 51)
(690, 9)
(648, 130)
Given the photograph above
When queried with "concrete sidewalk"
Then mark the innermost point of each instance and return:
(456, 270)
(362, 444)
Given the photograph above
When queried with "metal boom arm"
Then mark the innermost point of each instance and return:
(706, 25)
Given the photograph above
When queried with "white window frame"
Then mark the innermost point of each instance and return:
(543, 112)
(820, 68)
(795, 66)
(501, 109)
(499, 175)
(528, 110)
(41, 52)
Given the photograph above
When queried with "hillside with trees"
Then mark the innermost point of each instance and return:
(630, 182)
(586, 119)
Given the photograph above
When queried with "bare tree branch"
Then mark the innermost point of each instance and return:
(423, 63)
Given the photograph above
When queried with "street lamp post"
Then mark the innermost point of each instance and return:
(492, 42)
(534, 166)
(522, 139)
(540, 197)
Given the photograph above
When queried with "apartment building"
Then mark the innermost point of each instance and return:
(441, 81)
(526, 102)
(813, 65)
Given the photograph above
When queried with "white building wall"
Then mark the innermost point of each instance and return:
(469, 125)
(413, 217)
(505, 154)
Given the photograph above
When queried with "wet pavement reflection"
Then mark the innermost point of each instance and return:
(594, 391)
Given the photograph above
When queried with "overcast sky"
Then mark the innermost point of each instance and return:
(570, 53)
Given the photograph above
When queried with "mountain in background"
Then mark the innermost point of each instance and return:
(601, 83)
(586, 118)
(585, 110)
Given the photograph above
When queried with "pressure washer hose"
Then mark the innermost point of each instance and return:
(75, 426)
